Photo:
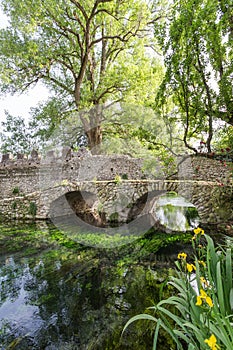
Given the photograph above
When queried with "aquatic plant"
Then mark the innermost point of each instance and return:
(199, 315)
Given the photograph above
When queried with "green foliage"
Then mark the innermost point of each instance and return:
(117, 179)
(86, 52)
(16, 136)
(200, 312)
(14, 205)
(15, 190)
(224, 139)
(113, 217)
(32, 209)
(140, 132)
(196, 41)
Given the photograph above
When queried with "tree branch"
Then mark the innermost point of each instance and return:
(81, 8)
(58, 83)
(109, 90)
(69, 67)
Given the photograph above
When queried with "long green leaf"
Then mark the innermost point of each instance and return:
(158, 325)
(225, 326)
(195, 312)
(178, 320)
(139, 317)
(229, 272)
(182, 335)
(167, 327)
(221, 334)
(212, 259)
(178, 301)
(231, 299)
(198, 333)
(180, 286)
(228, 280)
(220, 293)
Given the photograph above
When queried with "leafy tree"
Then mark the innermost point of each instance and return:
(223, 139)
(132, 130)
(87, 53)
(196, 39)
(17, 136)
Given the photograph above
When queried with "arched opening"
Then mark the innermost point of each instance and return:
(166, 211)
(143, 204)
(175, 213)
(83, 204)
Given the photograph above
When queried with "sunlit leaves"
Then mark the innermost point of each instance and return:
(197, 48)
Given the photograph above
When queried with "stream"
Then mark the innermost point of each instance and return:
(57, 293)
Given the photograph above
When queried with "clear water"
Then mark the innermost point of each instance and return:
(66, 296)
(175, 213)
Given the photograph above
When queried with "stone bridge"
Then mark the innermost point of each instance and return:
(105, 188)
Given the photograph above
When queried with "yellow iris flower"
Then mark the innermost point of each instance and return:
(212, 342)
(201, 262)
(198, 231)
(190, 267)
(182, 256)
(208, 301)
(204, 282)
(205, 297)
(199, 301)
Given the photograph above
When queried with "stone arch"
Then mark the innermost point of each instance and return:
(174, 213)
(83, 204)
(143, 204)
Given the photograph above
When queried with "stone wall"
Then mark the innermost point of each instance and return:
(18, 180)
(29, 186)
(25, 181)
(214, 199)
(203, 169)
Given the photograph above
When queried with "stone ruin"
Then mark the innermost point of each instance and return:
(34, 158)
(20, 160)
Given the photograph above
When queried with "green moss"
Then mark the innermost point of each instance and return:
(171, 194)
(14, 205)
(32, 210)
(16, 190)
(114, 217)
(117, 179)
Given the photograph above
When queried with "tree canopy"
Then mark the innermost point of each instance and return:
(96, 53)
(196, 39)
(87, 53)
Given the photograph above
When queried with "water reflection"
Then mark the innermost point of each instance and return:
(15, 307)
(175, 213)
(57, 300)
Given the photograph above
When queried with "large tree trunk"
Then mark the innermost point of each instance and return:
(94, 137)
(92, 120)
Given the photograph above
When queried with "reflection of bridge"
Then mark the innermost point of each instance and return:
(91, 186)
